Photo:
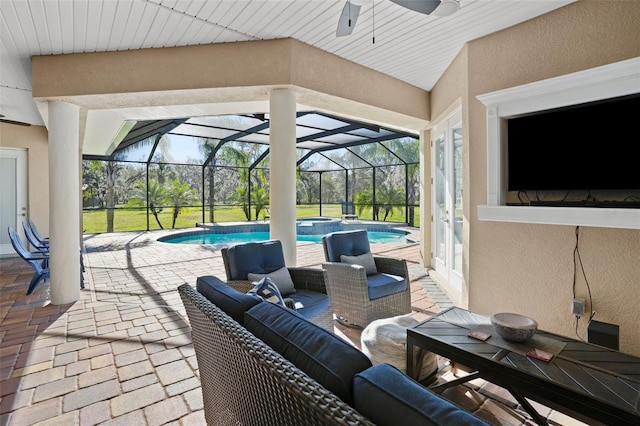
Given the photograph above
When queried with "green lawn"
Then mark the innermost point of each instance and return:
(129, 219)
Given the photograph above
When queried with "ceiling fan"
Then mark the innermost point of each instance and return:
(351, 11)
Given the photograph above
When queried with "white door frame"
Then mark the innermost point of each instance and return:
(446, 238)
(15, 189)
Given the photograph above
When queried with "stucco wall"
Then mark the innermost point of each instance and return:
(529, 268)
(34, 140)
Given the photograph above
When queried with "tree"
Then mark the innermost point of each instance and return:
(307, 186)
(259, 183)
(111, 169)
(93, 187)
(364, 202)
(409, 150)
(179, 195)
(389, 198)
(260, 199)
(157, 197)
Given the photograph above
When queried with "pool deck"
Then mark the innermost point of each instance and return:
(122, 354)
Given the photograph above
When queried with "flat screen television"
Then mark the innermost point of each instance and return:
(592, 146)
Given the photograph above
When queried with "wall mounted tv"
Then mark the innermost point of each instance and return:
(592, 146)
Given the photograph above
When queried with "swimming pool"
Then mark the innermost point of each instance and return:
(208, 237)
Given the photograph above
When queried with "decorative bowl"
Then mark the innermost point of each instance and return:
(514, 327)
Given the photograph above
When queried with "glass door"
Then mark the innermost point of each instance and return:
(446, 145)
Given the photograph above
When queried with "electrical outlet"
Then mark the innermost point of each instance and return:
(578, 307)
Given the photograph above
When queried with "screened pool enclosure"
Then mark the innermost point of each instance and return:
(175, 173)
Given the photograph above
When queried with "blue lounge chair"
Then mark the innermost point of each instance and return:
(37, 234)
(39, 261)
(40, 245)
(39, 242)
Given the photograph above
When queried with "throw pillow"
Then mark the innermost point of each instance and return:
(267, 290)
(365, 260)
(280, 277)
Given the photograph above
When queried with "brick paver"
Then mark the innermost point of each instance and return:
(122, 354)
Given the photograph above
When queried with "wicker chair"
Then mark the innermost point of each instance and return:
(267, 256)
(245, 382)
(351, 289)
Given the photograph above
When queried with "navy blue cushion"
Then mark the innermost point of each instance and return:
(384, 395)
(261, 257)
(313, 302)
(233, 302)
(348, 243)
(380, 285)
(328, 359)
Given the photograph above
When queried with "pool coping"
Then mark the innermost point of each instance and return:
(264, 226)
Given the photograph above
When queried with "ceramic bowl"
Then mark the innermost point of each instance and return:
(514, 327)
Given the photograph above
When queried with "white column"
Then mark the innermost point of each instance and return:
(282, 170)
(64, 199)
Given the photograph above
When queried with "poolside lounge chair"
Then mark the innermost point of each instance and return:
(363, 287)
(348, 210)
(39, 261)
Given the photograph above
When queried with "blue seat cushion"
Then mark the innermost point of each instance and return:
(314, 303)
(347, 243)
(322, 355)
(233, 302)
(261, 257)
(385, 395)
(380, 285)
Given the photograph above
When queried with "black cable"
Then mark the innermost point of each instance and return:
(576, 255)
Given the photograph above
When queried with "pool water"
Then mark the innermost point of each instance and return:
(243, 237)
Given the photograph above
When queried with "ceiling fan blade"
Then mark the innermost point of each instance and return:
(348, 19)
(420, 6)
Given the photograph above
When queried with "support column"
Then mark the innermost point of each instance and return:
(282, 170)
(64, 201)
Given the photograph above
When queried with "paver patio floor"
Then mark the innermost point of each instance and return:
(122, 354)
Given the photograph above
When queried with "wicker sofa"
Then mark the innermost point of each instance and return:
(246, 381)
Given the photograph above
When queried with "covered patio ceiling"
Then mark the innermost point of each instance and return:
(316, 133)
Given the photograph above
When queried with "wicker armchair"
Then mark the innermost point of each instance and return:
(267, 256)
(245, 382)
(351, 289)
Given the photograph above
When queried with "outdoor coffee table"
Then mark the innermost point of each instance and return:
(581, 380)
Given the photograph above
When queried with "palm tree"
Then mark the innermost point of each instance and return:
(389, 199)
(260, 199)
(240, 159)
(259, 188)
(157, 197)
(364, 201)
(179, 195)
